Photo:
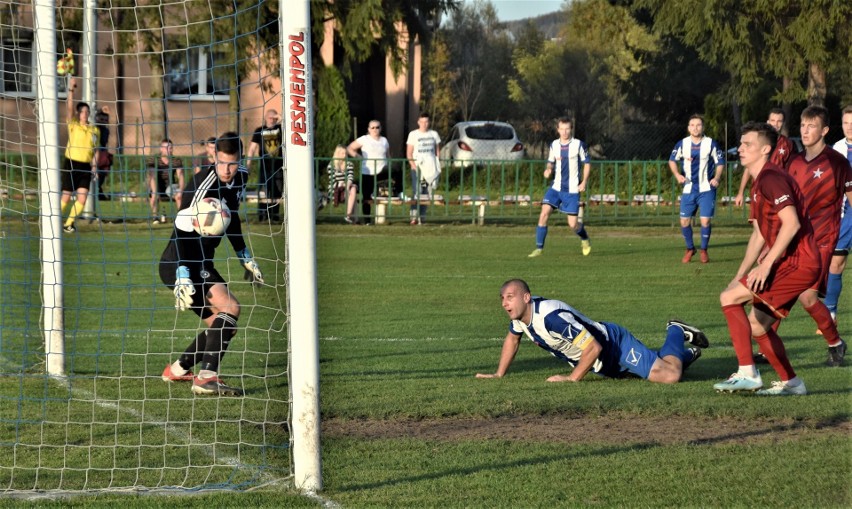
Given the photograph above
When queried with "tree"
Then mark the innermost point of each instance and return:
(439, 98)
(797, 42)
(332, 111)
(366, 27)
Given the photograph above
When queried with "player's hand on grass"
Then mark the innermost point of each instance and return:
(560, 378)
(487, 375)
(184, 289)
(252, 273)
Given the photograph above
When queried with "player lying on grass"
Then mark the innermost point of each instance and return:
(606, 349)
(186, 267)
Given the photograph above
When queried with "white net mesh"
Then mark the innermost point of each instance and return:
(186, 71)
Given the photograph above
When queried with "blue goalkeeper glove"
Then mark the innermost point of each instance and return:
(252, 273)
(184, 289)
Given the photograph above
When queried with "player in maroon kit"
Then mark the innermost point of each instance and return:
(788, 263)
(780, 156)
(824, 176)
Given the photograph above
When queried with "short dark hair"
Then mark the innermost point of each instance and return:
(777, 111)
(81, 105)
(229, 143)
(847, 110)
(166, 140)
(424, 114)
(698, 116)
(564, 120)
(520, 282)
(816, 112)
(763, 130)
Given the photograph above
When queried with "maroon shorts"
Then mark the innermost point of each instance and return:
(785, 285)
(825, 254)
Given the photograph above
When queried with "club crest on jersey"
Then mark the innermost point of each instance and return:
(818, 173)
(633, 357)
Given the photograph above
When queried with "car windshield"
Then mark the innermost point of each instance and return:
(489, 132)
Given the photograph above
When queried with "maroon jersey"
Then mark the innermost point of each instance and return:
(824, 181)
(772, 191)
(783, 151)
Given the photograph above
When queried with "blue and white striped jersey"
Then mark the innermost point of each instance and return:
(845, 148)
(697, 159)
(567, 160)
(565, 333)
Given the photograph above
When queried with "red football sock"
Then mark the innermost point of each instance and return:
(773, 348)
(740, 330)
(822, 317)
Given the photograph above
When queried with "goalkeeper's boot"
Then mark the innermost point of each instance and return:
(738, 383)
(586, 246)
(536, 252)
(784, 389)
(69, 229)
(692, 335)
(168, 376)
(214, 386)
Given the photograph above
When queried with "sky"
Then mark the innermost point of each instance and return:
(510, 10)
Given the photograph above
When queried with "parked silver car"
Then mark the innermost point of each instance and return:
(482, 141)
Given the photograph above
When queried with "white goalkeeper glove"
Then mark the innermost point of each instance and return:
(252, 273)
(184, 289)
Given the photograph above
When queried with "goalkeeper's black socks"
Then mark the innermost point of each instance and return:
(194, 352)
(219, 336)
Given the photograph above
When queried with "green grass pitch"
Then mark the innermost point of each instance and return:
(409, 315)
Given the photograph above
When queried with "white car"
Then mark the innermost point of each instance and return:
(475, 141)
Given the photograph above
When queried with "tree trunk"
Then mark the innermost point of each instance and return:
(157, 120)
(786, 82)
(816, 85)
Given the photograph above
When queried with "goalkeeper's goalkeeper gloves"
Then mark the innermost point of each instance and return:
(252, 273)
(184, 289)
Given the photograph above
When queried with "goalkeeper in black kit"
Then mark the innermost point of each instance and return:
(186, 267)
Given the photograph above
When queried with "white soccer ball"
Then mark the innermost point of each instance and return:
(211, 217)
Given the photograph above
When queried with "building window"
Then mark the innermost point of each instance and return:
(197, 72)
(17, 67)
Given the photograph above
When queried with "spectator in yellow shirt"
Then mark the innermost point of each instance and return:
(81, 155)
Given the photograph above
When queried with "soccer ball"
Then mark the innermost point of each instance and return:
(212, 217)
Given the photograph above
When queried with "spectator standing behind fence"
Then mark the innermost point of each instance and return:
(342, 186)
(104, 157)
(375, 151)
(566, 155)
(844, 242)
(209, 158)
(166, 180)
(422, 149)
(268, 143)
(780, 156)
(699, 179)
(81, 155)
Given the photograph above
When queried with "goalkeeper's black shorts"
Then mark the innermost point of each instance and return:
(76, 175)
(203, 278)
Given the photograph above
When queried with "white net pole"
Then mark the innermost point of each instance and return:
(301, 243)
(49, 186)
(90, 71)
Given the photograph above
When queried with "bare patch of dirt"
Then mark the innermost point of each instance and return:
(591, 430)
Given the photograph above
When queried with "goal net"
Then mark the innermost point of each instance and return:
(87, 327)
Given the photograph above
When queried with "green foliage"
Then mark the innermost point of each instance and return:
(365, 27)
(439, 98)
(332, 112)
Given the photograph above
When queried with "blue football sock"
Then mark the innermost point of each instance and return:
(582, 232)
(832, 292)
(705, 236)
(540, 235)
(686, 231)
(674, 343)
